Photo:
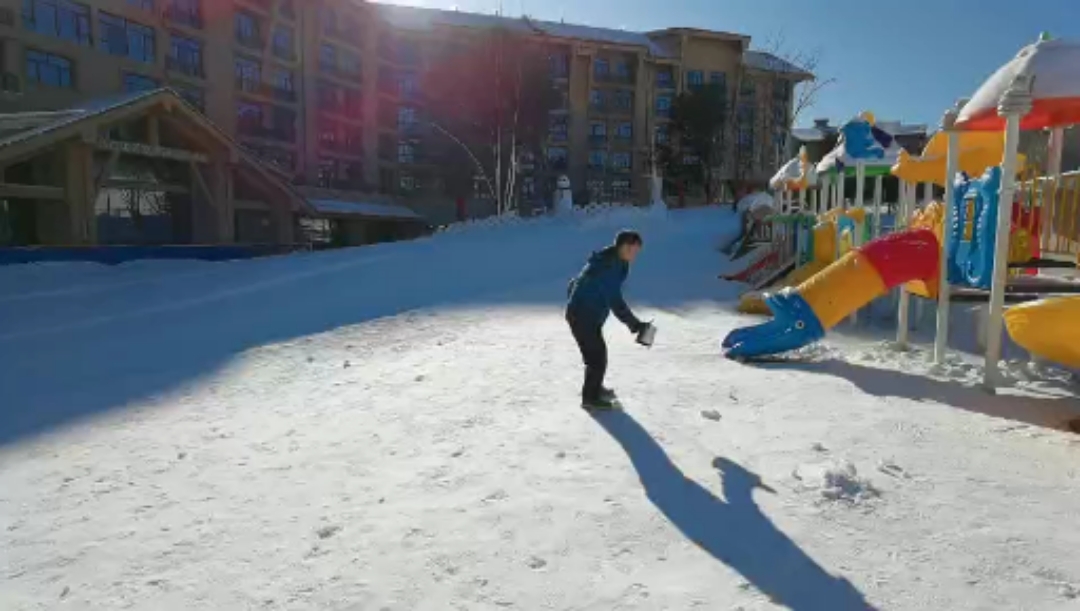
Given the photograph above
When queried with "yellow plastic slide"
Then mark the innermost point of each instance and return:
(1048, 328)
(753, 302)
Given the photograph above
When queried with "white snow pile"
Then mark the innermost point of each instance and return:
(575, 214)
(397, 427)
(836, 481)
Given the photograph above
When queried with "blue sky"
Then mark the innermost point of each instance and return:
(902, 59)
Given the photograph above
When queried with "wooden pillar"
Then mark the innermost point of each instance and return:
(223, 200)
(79, 193)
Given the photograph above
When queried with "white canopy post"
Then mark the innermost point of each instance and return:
(903, 306)
(1014, 104)
(826, 192)
(856, 235)
(952, 162)
(802, 198)
(1053, 170)
(877, 205)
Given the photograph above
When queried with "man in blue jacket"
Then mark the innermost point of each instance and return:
(593, 294)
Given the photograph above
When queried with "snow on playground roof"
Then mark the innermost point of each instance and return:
(862, 141)
(1055, 90)
(896, 128)
(789, 171)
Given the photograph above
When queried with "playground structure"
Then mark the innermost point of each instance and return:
(991, 238)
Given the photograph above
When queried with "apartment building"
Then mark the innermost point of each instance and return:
(328, 92)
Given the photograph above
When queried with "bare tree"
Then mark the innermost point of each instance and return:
(771, 94)
(489, 101)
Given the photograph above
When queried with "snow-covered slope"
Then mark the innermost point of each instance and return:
(396, 428)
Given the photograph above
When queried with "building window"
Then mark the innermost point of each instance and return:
(328, 134)
(695, 79)
(284, 85)
(185, 55)
(282, 42)
(665, 78)
(560, 65)
(58, 18)
(138, 82)
(406, 153)
(328, 19)
(349, 62)
(625, 131)
(597, 159)
(246, 27)
(557, 157)
(48, 69)
(284, 124)
(408, 183)
(597, 130)
(620, 189)
(248, 73)
(747, 87)
(286, 9)
(622, 71)
(146, 5)
(126, 38)
(663, 134)
(601, 69)
(663, 106)
(718, 78)
(185, 12)
(249, 118)
(408, 85)
(621, 161)
(596, 99)
(624, 100)
(328, 58)
(557, 130)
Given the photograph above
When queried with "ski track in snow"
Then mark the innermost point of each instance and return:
(396, 428)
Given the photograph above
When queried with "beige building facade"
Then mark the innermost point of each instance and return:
(322, 90)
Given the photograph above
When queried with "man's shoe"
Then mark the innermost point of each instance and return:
(607, 393)
(600, 404)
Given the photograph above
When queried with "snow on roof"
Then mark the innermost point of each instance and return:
(368, 209)
(417, 18)
(767, 62)
(24, 126)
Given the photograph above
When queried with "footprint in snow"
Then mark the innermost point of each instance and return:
(328, 531)
(710, 414)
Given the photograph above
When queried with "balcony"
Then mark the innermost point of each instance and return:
(284, 53)
(185, 16)
(612, 78)
(249, 40)
(175, 64)
(286, 9)
(262, 5)
(278, 133)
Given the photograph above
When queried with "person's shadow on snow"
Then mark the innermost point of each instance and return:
(732, 530)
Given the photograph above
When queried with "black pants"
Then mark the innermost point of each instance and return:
(590, 340)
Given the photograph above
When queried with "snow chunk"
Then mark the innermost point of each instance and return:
(837, 481)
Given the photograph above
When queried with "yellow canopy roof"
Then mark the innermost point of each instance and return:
(978, 151)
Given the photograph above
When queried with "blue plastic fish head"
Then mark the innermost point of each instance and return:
(793, 326)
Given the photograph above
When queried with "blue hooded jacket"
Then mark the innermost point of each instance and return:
(597, 291)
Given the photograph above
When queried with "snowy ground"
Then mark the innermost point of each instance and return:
(396, 428)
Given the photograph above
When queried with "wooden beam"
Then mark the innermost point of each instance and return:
(147, 150)
(141, 185)
(9, 189)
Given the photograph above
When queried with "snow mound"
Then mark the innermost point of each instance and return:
(592, 212)
(837, 481)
